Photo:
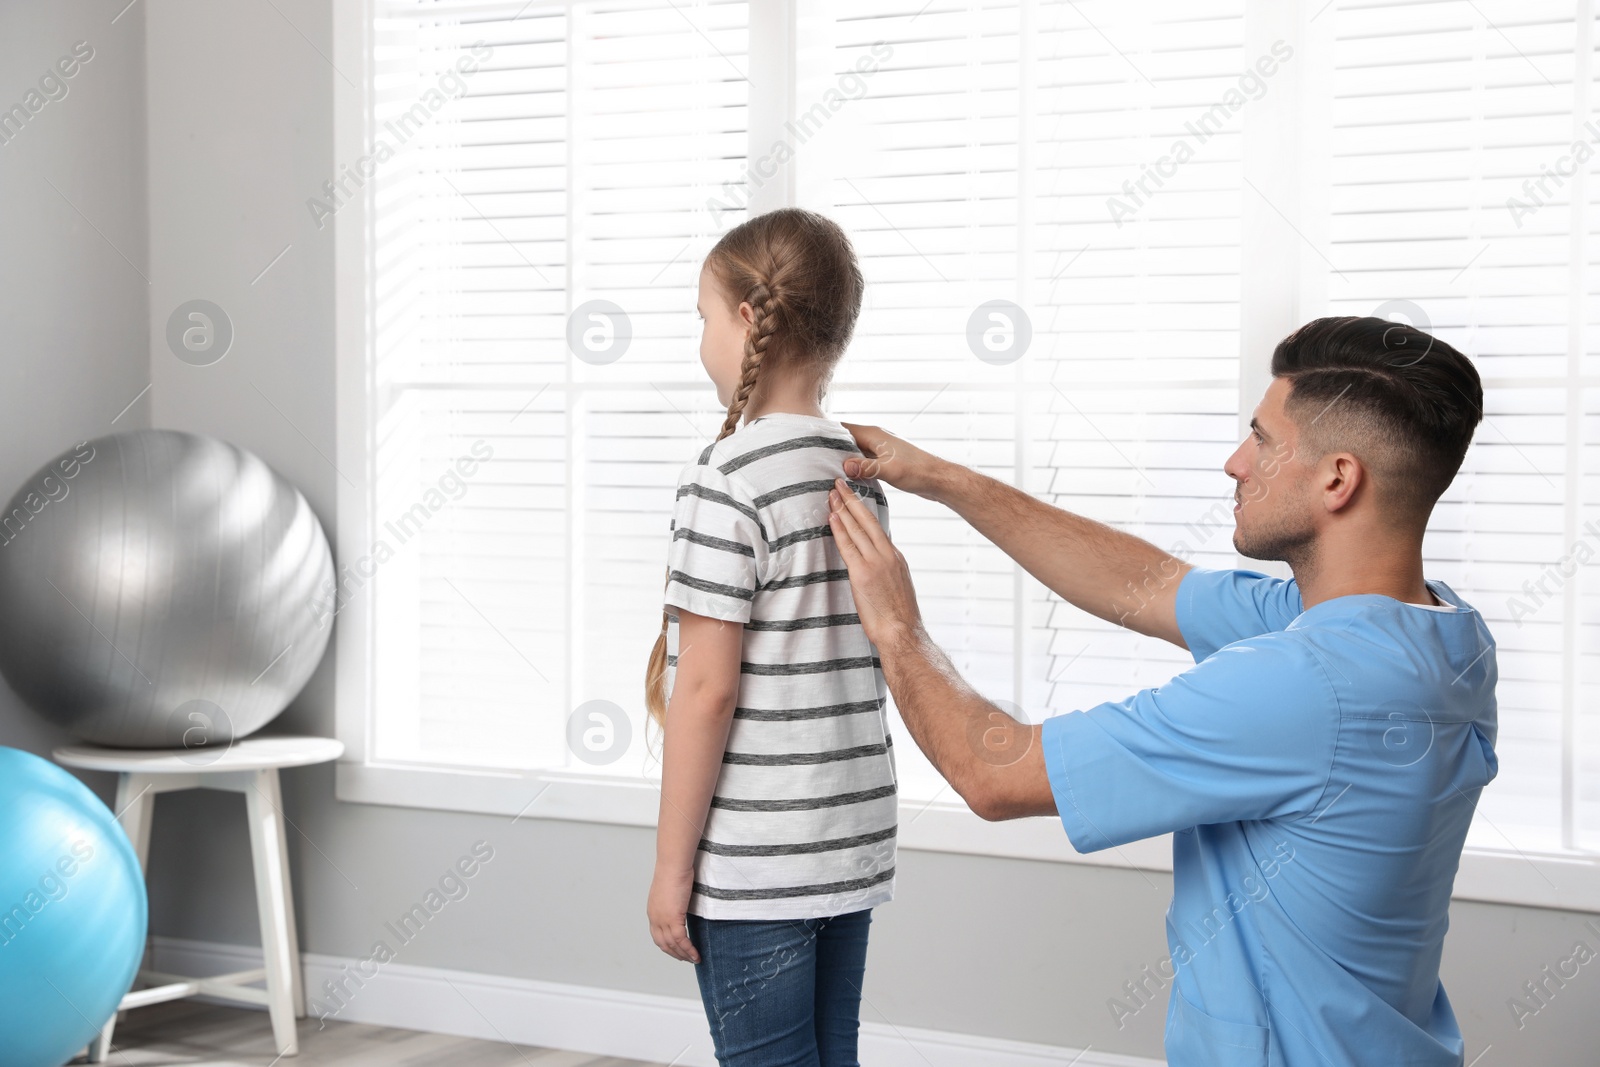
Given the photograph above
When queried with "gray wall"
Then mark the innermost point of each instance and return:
(239, 135)
(73, 294)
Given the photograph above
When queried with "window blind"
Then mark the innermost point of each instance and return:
(575, 165)
(1440, 113)
(1077, 169)
(979, 167)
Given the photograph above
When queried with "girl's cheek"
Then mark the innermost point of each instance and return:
(708, 358)
(723, 351)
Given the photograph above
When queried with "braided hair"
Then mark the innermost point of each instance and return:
(764, 323)
(799, 275)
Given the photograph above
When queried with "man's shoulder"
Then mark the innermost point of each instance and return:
(1217, 606)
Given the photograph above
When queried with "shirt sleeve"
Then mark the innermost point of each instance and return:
(1218, 607)
(1249, 733)
(718, 546)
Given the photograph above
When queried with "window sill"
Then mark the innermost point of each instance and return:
(1570, 882)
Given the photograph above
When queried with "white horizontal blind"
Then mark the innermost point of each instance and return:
(1140, 115)
(1440, 113)
(1080, 160)
(1582, 636)
(924, 177)
(978, 166)
(577, 164)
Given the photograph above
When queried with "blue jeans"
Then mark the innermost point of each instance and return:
(782, 993)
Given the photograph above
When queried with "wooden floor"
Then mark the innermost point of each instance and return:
(205, 1035)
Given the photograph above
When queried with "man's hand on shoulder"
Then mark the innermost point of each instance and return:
(894, 460)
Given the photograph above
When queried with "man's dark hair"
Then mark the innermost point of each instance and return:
(1404, 402)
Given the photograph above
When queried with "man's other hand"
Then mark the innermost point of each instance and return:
(879, 577)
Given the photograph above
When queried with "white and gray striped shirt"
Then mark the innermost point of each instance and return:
(803, 820)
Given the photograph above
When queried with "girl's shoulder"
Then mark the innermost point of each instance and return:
(766, 443)
(782, 433)
(792, 460)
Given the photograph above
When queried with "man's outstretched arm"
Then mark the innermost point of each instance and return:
(1108, 573)
(993, 761)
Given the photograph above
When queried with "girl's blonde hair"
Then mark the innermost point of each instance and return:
(799, 274)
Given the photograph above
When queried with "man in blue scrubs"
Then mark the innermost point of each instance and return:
(1318, 766)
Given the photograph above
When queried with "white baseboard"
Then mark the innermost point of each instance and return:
(601, 1022)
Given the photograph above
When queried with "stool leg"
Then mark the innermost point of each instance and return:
(297, 993)
(100, 1048)
(264, 808)
(135, 796)
(133, 813)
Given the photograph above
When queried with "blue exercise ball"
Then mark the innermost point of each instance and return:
(72, 913)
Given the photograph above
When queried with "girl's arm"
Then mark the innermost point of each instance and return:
(699, 714)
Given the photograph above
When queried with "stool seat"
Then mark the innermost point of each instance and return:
(249, 766)
(250, 754)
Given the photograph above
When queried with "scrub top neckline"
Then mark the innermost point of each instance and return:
(1353, 601)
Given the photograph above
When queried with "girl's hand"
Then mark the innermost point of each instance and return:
(668, 911)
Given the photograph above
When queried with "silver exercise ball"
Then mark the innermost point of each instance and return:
(159, 589)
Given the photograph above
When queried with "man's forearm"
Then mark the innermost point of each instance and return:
(1114, 575)
(993, 762)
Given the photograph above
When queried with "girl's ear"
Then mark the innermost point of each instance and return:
(747, 313)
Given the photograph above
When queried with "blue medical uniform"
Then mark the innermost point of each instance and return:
(1318, 769)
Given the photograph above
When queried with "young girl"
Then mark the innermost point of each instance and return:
(778, 798)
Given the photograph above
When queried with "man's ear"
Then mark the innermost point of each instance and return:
(1341, 474)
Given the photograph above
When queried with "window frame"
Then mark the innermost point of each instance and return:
(1278, 279)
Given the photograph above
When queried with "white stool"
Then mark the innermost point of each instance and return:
(250, 767)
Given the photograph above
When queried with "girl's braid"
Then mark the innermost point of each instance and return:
(763, 302)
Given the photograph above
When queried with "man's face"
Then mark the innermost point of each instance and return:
(1274, 507)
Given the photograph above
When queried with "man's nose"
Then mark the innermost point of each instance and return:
(1235, 467)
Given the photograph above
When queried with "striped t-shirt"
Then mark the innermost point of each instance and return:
(803, 820)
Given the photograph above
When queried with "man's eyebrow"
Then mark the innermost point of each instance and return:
(1256, 426)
